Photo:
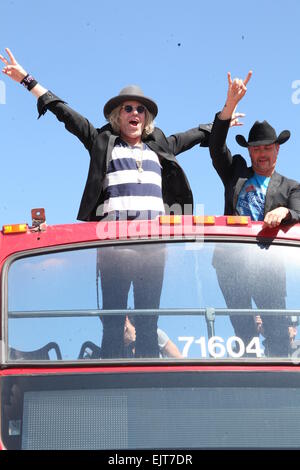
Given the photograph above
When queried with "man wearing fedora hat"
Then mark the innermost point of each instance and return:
(133, 173)
(261, 193)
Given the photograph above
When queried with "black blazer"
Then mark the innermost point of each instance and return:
(233, 171)
(100, 142)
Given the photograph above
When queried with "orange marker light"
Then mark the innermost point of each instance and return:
(237, 220)
(14, 228)
(204, 220)
(170, 219)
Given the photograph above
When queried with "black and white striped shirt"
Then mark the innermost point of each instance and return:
(126, 188)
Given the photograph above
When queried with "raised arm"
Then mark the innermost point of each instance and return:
(183, 141)
(219, 152)
(73, 121)
(16, 72)
(200, 135)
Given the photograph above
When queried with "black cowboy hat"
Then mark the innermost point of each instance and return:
(262, 133)
(130, 93)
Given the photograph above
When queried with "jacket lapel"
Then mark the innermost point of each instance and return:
(238, 187)
(271, 192)
(110, 146)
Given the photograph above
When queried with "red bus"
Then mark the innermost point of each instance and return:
(209, 388)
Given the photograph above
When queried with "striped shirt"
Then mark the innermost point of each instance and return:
(126, 189)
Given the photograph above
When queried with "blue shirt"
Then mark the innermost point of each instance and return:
(251, 200)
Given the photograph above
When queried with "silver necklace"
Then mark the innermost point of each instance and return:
(139, 164)
(138, 160)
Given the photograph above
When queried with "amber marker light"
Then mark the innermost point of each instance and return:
(14, 228)
(170, 219)
(237, 220)
(204, 220)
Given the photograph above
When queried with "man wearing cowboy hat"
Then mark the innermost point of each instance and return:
(282, 201)
(133, 173)
(263, 194)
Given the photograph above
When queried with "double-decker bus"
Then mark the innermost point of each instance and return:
(209, 388)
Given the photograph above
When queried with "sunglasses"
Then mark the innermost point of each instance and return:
(128, 108)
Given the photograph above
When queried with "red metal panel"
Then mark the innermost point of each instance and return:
(149, 369)
(58, 235)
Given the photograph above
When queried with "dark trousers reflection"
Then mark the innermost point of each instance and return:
(247, 274)
(143, 267)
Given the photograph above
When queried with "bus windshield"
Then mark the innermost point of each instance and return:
(179, 300)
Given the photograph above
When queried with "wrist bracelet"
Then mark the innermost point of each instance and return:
(28, 82)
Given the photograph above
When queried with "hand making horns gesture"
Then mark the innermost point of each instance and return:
(237, 88)
(12, 69)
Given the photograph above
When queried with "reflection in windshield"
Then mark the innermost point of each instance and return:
(203, 300)
(119, 268)
(260, 279)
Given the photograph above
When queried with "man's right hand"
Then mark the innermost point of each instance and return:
(16, 72)
(236, 90)
(12, 69)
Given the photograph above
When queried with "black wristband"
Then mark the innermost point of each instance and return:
(28, 82)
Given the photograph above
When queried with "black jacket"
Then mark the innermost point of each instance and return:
(234, 172)
(100, 142)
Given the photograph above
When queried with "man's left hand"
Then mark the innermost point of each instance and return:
(275, 217)
(235, 119)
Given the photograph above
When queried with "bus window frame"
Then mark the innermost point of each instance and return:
(74, 246)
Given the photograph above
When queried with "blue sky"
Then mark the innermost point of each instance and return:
(178, 51)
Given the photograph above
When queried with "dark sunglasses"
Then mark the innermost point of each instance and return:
(128, 108)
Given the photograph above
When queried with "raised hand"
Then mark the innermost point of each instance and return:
(236, 90)
(12, 69)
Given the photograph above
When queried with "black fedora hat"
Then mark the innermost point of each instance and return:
(262, 133)
(133, 93)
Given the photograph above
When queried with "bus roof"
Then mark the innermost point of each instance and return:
(163, 227)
